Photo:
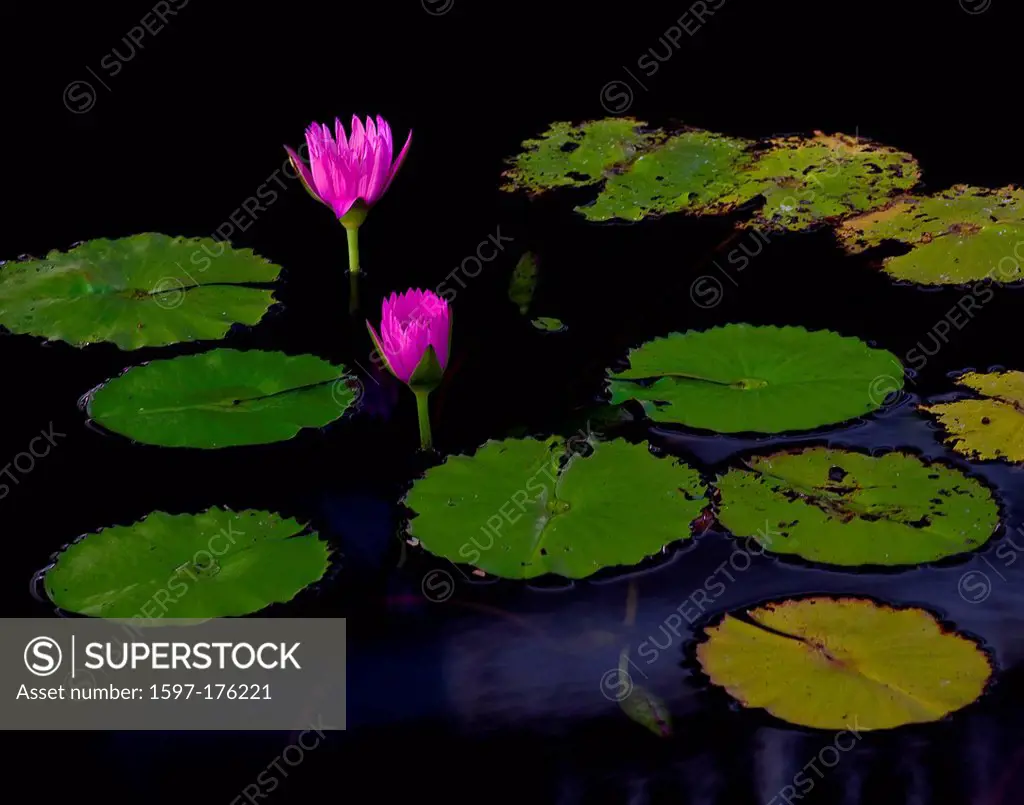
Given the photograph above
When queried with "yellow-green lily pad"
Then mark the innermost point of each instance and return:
(963, 234)
(846, 664)
(809, 180)
(989, 428)
(845, 508)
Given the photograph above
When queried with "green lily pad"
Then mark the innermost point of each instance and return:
(809, 180)
(687, 173)
(844, 508)
(963, 234)
(549, 325)
(740, 378)
(846, 664)
(223, 398)
(146, 290)
(523, 508)
(215, 564)
(991, 428)
(568, 155)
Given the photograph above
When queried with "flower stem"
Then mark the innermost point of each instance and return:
(353, 291)
(353, 248)
(423, 412)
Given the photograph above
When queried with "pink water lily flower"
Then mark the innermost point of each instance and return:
(349, 173)
(410, 322)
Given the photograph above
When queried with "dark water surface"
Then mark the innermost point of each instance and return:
(496, 692)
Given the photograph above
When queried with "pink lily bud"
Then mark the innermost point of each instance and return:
(349, 174)
(415, 331)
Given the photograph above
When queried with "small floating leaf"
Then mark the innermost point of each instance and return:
(688, 172)
(223, 398)
(524, 282)
(845, 508)
(742, 378)
(215, 564)
(522, 508)
(548, 324)
(960, 235)
(568, 155)
(847, 664)
(146, 290)
(642, 706)
(808, 180)
(989, 428)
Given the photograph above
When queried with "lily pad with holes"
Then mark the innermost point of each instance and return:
(223, 398)
(809, 180)
(741, 378)
(844, 664)
(988, 428)
(685, 174)
(146, 290)
(218, 563)
(963, 234)
(844, 508)
(523, 508)
(569, 155)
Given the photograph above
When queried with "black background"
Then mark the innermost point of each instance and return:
(194, 123)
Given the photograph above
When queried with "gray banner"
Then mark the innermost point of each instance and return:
(222, 674)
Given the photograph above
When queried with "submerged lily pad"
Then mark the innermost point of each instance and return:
(215, 564)
(807, 180)
(844, 508)
(960, 235)
(687, 173)
(988, 428)
(146, 290)
(223, 398)
(741, 378)
(569, 155)
(848, 664)
(524, 282)
(522, 508)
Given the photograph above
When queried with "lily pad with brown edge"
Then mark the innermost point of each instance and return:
(685, 174)
(844, 663)
(990, 427)
(961, 235)
(525, 508)
(576, 155)
(840, 507)
(806, 181)
(147, 290)
(741, 378)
